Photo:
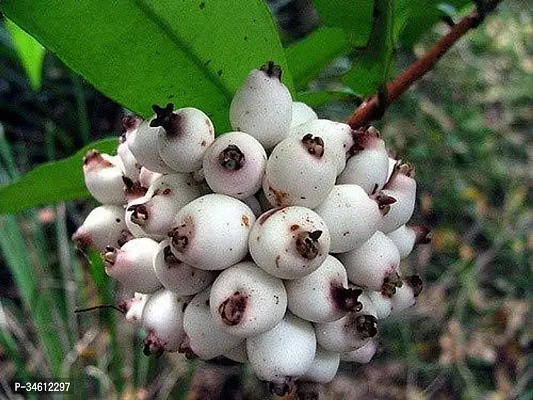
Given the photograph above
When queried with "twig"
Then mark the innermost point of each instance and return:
(371, 110)
(99, 307)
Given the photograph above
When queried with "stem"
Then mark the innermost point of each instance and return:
(99, 307)
(81, 104)
(370, 109)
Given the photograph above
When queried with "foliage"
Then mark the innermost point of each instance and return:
(65, 177)
(30, 51)
(142, 47)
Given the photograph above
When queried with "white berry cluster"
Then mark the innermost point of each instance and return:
(277, 244)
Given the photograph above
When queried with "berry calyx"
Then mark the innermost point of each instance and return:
(307, 244)
(163, 117)
(232, 309)
(272, 70)
(314, 145)
(232, 158)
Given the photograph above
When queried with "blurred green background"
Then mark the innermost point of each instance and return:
(467, 129)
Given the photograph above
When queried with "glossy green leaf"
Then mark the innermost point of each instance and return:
(371, 68)
(413, 18)
(308, 56)
(51, 182)
(318, 98)
(30, 52)
(351, 15)
(142, 52)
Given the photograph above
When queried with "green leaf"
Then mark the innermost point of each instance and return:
(308, 56)
(30, 52)
(51, 182)
(351, 15)
(413, 18)
(371, 68)
(318, 98)
(144, 52)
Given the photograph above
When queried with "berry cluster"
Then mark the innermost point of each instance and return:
(278, 244)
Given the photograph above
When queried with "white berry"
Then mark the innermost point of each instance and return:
(336, 136)
(262, 106)
(368, 166)
(289, 242)
(363, 354)
(103, 177)
(351, 216)
(144, 144)
(328, 288)
(246, 301)
(407, 237)
(204, 336)
(162, 318)
(346, 334)
(165, 197)
(177, 276)
(324, 366)
(235, 164)
(402, 187)
(299, 172)
(134, 307)
(374, 265)
(185, 137)
(132, 265)
(283, 353)
(211, 232)
(104, 226)
(301, 113)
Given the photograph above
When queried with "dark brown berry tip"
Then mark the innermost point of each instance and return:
(124, 237)
(133, 190)
(365, 138)
(415, 282)
(283, 388)
(366, 325)
(125, 305)
(422, 234)
(307, 390)
(169, 256)
(407, 170)
(346, 299)
(139, 214)
(82, 239)
(272, 70)
(185, 348)
(153, 346)
(163, 116)
(232, 309)
(307, 244)
(180, 238)
(384, 202)
(130, 122)
(93, 159)
(110, 256)
(231, 158)
(390, 283)
(314, 145)
(400, 168)
(393, 154)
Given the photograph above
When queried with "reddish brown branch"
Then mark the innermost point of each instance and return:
(371, 109)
